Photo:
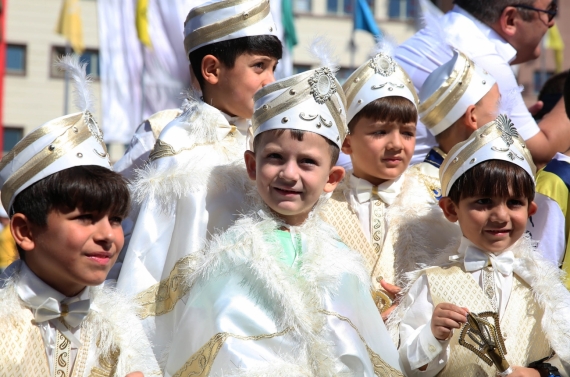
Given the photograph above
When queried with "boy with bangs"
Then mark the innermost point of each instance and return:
(194, 185)
(496, 280)
(284, 296)
(382, 116)
(66, 206)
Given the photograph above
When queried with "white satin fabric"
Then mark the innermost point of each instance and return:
(202, 201)
(34, 292)
(238, 302)
(418, 346)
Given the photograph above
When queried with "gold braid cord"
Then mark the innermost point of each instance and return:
(162, 297)
(381, 368)
(200, 364)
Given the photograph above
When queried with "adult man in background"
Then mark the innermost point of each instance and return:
(495, 34)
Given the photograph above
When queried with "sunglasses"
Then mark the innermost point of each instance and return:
(552, 10)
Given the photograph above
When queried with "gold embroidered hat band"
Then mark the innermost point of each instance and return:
(449, 90)
(222, 20)
(310, 101)
(379, 77)
(497, 140)
(62, 143)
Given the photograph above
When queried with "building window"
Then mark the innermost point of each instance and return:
(539, 79)
(89, 56)
(344, 7)
(343, 73)
(402, 9)
(12, 135)
(302, 6)
(15, 59)
(300, 68)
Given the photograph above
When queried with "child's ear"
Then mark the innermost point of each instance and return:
(211, 69)
(532, 208)
(449, 208)
(335, 176)
(250, 164)
(22, 232)
(470, 119)
(346, 147)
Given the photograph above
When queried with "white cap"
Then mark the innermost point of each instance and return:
(222, 20)
(379, 77)
(497, 140)
(310, 101)
(62, 143)
(450, 89)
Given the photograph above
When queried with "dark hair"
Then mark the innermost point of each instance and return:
(296, 135)
(387, 109)
(228, 51)
(493, 178)
(90, 188)
(551, 92)
(489, 11)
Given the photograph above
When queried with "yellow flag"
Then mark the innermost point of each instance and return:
(69, 25)
(554, 42)
(142, 23)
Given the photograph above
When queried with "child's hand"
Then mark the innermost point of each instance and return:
(524, 372)
(445, 318)
(393, 291)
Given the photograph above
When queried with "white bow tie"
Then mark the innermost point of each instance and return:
(475, 260)
(72, 314)
(385, 192)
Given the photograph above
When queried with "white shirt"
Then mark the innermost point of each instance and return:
(388, 190)
(418, 346)
(424, 52)
(33, 291)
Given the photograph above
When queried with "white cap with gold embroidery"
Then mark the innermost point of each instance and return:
(497, 140)
(310, 101)
(450, 89)
(379, 77)
(62, 143)
(222, 20)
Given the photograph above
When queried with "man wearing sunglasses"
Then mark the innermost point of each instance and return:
(494, 34)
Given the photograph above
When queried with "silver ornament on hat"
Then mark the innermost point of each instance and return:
(322, 85)
(383, 64)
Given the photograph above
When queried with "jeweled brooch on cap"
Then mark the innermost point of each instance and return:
(322, 85)
(383, 64)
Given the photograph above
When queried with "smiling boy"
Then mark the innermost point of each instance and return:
(189, 190)
(496, 272)
(66, 206)
(284, 295)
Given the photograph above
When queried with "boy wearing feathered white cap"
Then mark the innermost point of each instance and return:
(382, 115)
(193, 186)
(278, 294)
(506, 303)
(66, 206)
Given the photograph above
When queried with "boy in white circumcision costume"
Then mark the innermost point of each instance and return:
(279, 293)
(66, 206)
(496, 307)
(191, 190)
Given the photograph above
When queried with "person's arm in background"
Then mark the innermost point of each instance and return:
(554, 135)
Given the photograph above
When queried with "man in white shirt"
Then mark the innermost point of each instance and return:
(495, 34)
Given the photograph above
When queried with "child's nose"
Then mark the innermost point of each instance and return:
(104, 232)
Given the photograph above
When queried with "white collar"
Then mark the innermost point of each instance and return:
(34, 291)
(387, 191)
(475, 258)
(241, 124)
(503, 48)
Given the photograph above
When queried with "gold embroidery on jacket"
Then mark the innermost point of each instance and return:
(200, 364)
(381, 368)
(162, 297)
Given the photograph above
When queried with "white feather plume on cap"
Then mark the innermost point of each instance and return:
(62, 143)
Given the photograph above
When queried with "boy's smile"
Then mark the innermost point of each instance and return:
(492, 224)
(75, 249)
(380, 151)
(291, 175)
